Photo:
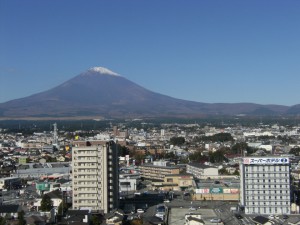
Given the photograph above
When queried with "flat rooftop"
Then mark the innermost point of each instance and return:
(177, 215)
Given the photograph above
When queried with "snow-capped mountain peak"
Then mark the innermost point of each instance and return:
(103, 70)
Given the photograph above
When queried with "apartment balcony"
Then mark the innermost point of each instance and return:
(86, 154)
(82, 191)
(85, 160)
(87, 205)
(85, 185)
(85, 197)
(87, 166)
(78, 179)
(84, 172)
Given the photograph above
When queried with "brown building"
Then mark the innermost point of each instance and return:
(158, 170)
(176, 182)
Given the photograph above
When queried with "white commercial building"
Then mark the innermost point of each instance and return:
(265, 185)
(95, 176)
(202, 171)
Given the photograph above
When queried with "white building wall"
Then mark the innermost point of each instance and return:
(265, 185)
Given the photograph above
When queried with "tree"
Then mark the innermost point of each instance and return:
(2, 220)
(95, 220)
(198, 157)
(46, 203)
(62, 208)
(177, 141)
(295, 151)
(223, 171)
(238, 148)
(21, 219)
(50, 159)
(236, 172)
(137, 222)
(123, 150)
(170, 155)
(217, 157)
(220, 137)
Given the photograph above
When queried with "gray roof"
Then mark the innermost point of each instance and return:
(201, 165)
(167, 167)
(260, 219)
(43, 169)
(10, 208)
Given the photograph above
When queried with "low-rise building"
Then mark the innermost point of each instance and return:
(194, 219)
(157, 171)
(202, 171)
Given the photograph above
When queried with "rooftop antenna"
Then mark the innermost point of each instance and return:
(55, 136)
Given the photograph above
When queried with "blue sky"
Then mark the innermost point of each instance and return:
(205, 51)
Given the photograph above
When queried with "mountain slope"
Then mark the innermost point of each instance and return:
(101, 92)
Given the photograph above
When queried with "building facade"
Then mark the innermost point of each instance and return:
(265, 185)
(202, 171)
(95, 176)
(157, 171)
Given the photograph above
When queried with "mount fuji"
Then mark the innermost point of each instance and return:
(100, 92)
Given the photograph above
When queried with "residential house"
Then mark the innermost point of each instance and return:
(78, 217)
(194, 219)
(10, 211)
(261, 220)
(115, 217)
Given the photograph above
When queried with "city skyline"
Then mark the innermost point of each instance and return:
(212, 52)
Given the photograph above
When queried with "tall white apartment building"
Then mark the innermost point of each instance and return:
(95, 176)
(265, 185)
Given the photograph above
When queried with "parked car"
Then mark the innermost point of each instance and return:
(216, 220)
(140, 211)
(271, 217)
(285, 217)
(238, 216)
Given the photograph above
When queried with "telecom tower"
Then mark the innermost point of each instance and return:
(55, 136)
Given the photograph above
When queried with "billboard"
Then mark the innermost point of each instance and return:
(266, 160)
(202, 191)
(216, 190)
(226, 191)
(234, 191)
